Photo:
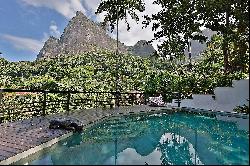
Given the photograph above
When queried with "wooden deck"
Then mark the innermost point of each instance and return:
(21, 138)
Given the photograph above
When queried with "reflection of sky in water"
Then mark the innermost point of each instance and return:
(43, 161)
(130, 157)
(162, 139)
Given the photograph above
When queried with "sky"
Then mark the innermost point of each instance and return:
(26, 24)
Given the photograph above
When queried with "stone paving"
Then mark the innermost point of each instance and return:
(17, 138)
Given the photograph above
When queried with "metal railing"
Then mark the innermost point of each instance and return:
(18, 104)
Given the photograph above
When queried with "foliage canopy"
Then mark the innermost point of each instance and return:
(178, 21)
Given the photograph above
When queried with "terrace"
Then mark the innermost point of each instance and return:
(26, 124)
(26, 128)
(137, 127)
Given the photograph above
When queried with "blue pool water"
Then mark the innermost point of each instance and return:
(177, 138)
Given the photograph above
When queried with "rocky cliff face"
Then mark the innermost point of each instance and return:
(51, 48)
(82, 35)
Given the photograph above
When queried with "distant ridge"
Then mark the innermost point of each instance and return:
(196, 47)
(142, 48)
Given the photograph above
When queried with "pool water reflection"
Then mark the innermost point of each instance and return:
(178, 139)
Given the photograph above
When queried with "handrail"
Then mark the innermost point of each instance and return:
(68, 91)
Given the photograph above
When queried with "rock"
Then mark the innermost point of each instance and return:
(80, 35)
(52, 46)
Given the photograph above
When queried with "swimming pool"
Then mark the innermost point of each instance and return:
(176, 138)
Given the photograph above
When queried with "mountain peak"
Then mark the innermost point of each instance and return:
(80, 16)
(142, 42)
(52, 38)
(83, 35)
(79, 13)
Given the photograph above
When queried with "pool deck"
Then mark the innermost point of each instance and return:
(22, 138)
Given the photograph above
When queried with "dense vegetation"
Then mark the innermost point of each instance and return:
(105, 71)
(243, 109)
(99, 70)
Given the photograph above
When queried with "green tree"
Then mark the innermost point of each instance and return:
(120, 9)
(179, 21)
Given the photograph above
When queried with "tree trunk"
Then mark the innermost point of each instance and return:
(225, 53)
(225, 44)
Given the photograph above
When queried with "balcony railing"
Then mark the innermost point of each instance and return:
(18, 104)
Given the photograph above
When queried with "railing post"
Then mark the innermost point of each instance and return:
(132, 99)
(179, 99)
(1, 103)
(44, 103)
(68, 101)
(9, 115)
(96, 99)
(117, 98)
(1, 96)
(145, 100)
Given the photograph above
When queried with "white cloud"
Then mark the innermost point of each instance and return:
(136, 32)
(23, 43)
(91, 6)
(54, 30)
(67, 8)
(45, 37)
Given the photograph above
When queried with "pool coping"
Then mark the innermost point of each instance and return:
(53, 141)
